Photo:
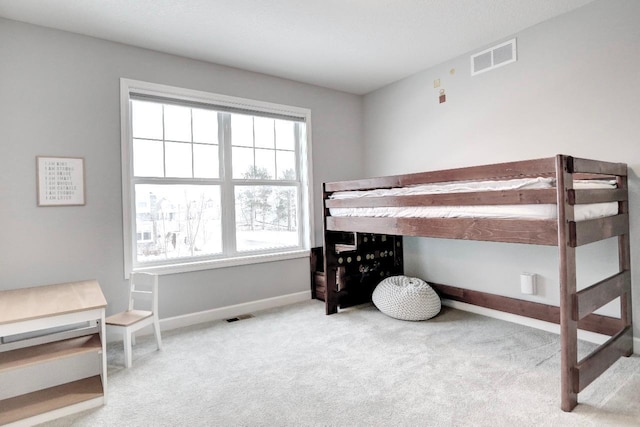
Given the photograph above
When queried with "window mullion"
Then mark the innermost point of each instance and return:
(164, 145)
(227, 190)
(302, 224)
(300, 201)
(275, 150)
(193, 162)
(271, 182)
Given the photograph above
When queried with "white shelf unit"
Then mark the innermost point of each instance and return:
(52, 352)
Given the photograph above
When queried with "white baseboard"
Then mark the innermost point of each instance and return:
(232, 310)
(220, 313)
(534, 323)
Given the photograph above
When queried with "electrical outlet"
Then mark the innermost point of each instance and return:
(436, 83)
(528, 283)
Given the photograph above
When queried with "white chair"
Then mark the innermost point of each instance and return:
(141, 285)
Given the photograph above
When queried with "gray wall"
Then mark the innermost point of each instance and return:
(59, 96)
(574, 90)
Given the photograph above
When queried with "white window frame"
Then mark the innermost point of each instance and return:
(128, 86)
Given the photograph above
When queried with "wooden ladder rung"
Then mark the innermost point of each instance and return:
(577, 197)
(578, 165)
(595, 296)
(592, 366)
(593, 230)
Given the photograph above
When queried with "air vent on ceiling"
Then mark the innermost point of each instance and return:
(494, 57)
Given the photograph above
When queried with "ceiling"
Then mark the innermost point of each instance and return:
(354, 46)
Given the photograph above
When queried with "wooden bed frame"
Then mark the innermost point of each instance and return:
(576, 307)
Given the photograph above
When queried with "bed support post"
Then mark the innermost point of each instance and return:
(568, 287)
(330, 263)
(624, 258)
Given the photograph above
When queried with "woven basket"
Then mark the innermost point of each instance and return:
(406, 298)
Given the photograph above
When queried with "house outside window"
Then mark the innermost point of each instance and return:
(210, 180)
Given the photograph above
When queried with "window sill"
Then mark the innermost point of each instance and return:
(223, 263)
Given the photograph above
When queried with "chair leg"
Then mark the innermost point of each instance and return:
(156, 331)
(133, 338)
(127, 349)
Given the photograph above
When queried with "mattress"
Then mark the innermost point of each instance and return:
(532, 211)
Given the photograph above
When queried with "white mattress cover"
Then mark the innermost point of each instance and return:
(534, 211)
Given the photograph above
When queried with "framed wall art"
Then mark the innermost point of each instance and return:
(60, 181)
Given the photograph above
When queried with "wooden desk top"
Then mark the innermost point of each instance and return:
(43, 301)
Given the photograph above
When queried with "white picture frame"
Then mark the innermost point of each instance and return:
(60, 181)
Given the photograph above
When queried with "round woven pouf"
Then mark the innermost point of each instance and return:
(406, 298)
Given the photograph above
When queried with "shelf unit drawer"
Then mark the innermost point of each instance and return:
(47, 365)
(52, 352)
(50, 403)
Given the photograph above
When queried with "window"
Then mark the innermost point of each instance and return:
(210, 180)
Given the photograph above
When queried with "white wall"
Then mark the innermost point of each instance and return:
(574, 90)
(59, 96)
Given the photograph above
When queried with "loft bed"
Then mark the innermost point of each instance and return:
(554, 210)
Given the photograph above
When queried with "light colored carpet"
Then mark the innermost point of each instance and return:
(294, 366)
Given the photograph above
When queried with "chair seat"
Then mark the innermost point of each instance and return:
(127, 318)
(141, 285)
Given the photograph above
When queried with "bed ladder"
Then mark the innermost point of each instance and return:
(576, 305)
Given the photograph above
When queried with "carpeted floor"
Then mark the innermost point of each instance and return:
(294, 366)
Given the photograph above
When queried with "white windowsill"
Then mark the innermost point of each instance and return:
(222, 263)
